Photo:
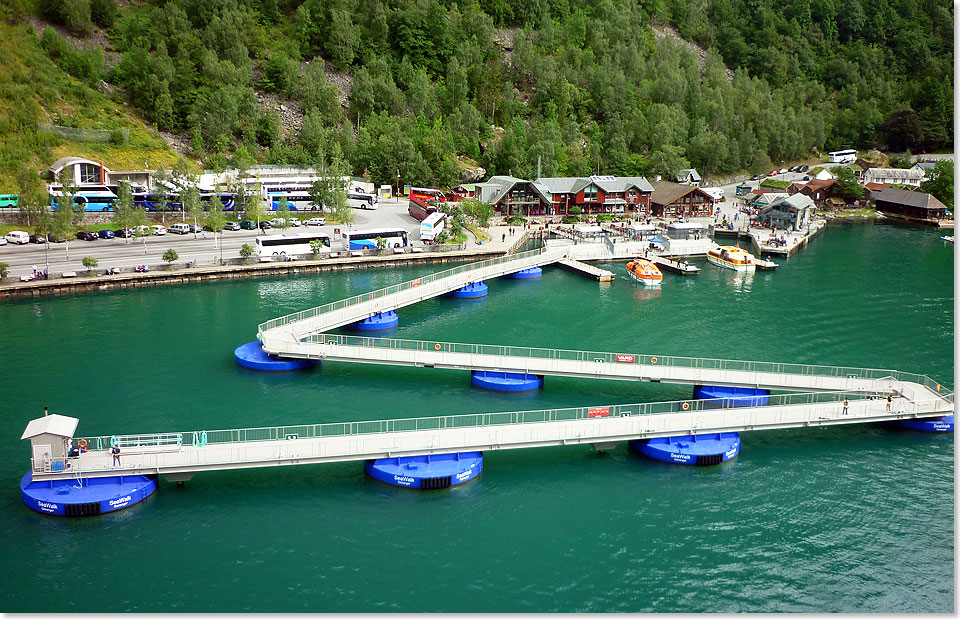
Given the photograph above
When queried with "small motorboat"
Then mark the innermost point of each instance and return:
(732, 258)
(644, 272)
(948, 239)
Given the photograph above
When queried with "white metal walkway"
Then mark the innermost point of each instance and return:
(178, 456)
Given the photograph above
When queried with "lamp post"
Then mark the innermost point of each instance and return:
(398, 183)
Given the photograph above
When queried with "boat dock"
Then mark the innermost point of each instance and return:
(601, 275)
(681, 267)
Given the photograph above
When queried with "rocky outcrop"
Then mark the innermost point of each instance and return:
(470, 170)
(662, 32)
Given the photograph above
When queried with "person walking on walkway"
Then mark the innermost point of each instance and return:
(503, 237)
(116, 455)
(889, 403)
(846, 405)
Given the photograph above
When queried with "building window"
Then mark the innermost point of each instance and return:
(590, 193)
(89, 173)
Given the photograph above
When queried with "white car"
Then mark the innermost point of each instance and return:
(316, 221)
(18, 237)
(3, 240)
(296, 223)
(158, 230)
(142, 231)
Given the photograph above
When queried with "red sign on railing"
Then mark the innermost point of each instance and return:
(625, 358)
(598, 412)
(415, 283)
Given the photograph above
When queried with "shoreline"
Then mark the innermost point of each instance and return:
(95, 283)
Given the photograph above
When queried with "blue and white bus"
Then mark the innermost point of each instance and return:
(367, 239)
(91, 201)
(152, 202)
(296, 200)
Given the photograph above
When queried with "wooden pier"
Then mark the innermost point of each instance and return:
(587, 270)
(679, 267)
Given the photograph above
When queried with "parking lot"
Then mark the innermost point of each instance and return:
(202, 250)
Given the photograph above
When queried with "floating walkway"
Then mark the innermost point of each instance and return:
(680, 267)
(587, 270)
(179, 455)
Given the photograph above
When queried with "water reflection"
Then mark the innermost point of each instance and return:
(647, 294)
(742, 280)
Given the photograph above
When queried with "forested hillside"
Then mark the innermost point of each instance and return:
(581, 85)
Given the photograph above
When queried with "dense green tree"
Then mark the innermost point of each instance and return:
(940, 184)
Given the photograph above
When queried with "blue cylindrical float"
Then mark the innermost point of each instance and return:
(727, 397)
(377, 322)
(506, 381)
(696, 450)
(531, 273)
(936, 424)
(427, 472)
(470, 291)
(253, 357)
(85, 496)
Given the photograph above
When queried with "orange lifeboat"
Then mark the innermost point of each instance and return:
(645, 272)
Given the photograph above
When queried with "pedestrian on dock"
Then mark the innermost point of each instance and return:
(846, 405)
(889, 403)
(116, 455)
(503, 237)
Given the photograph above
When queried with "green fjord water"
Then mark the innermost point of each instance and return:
(856, 518)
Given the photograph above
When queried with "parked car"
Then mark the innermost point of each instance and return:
(773, 173)
(783, 170)
(123, 232)
(3, 241)
(756, 177)
(276, 222)
(295, 222)
(265, 225)
(231, 225)
(248, 224)
(143, 231)
(804, 168)
(86, 235)
(179, 229)
(106, 234)
(18, 237)
(39, 239)
(158, 229)
(316, 221)
(195, 227)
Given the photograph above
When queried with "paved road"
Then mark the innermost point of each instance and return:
(127, 253)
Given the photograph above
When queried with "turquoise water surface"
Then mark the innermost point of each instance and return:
(852, 519)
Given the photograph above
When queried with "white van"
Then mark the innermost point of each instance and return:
(179, 229)
(18, 237)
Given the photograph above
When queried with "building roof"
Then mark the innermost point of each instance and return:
(609, 184)
(506, 183)
(917, 199)
(795, 202)
(770, 198)
(688, 174)
(818, 183)
(63, 162)
(665, 192)
(58, 425)
(896, 173)
(876, 186)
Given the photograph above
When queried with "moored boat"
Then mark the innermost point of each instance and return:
(732, 258)
(645, 272)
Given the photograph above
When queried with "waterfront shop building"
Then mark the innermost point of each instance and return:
(559, 195)
(895, 176)
(789, 213)
(819, 191)
(910, 205)
(675, 200)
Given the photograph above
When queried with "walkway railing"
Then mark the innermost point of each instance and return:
(377, 294)
(434, 346)
(354, 428)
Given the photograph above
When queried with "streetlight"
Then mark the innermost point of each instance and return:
(398, 183)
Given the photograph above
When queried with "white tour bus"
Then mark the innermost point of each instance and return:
(843, 156)
(358, 199)
(290, 245)
(367, 239)
(432, 226)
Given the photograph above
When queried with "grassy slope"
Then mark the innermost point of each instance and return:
(33, 89)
